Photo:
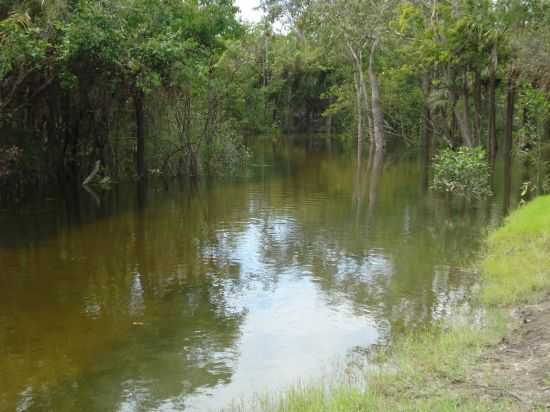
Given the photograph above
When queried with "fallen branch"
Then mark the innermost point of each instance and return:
(93, 194)
(92, 174)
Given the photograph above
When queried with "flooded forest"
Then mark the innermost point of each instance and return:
(197, 208)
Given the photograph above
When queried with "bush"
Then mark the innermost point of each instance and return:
(464, 172)
(227, 153)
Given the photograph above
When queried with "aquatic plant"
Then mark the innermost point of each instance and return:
(464, 172)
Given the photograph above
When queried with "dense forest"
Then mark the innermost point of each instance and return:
(130, 88)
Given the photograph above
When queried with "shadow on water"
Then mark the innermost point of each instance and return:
(187, 297)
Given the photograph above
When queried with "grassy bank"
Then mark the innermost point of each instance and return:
(517, 263)
(431, 370)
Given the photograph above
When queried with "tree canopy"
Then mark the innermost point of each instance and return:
(170, 87)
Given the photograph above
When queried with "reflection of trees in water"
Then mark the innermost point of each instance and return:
(189, 345)
(395, 255)
(82, 292)
(177, 262)
(375, 170)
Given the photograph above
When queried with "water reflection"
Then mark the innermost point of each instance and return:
(184, 298)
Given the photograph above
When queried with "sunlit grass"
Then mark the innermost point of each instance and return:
(345, 399)
(517, 265)
(428, 370)
(416, 374)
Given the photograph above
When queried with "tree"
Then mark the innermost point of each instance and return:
(358, 27)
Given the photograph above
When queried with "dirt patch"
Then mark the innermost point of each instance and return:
(518, 369)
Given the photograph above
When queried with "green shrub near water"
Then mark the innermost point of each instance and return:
(464, 172)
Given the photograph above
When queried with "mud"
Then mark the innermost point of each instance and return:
(518, 368)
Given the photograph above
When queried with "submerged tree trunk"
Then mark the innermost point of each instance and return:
(464, 117)
(288, 114)
(427, 130)
(377, 113)
(140, 134)
(266, 56)
(374, 180)
(329, 121)
(362, 101)
(508, 140)
(477, 105)
(510, 102)
(92, 174)
(367, 106)
(451, 120)
(508, 136)
(359, 108)
(492, 138)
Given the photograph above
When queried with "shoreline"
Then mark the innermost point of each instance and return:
(498, 363)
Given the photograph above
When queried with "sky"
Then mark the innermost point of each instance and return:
(247, 10)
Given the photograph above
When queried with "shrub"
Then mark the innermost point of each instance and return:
(464, 172)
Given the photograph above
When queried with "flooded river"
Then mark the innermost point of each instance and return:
(179, 297)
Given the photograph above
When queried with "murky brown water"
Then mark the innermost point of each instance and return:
(173, 298)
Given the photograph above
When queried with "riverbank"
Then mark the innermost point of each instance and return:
(495, 359)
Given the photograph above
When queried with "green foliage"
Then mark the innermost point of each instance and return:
(21, 44)
(75, 67)
(533, 148)
(70, 73)
(464, 172)
(227, 155)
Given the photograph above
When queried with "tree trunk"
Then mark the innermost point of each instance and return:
(140, 134)
(362, 100)
(508, 140)
(377, 113)
(427, 130)
(510, 101)
(492, 142)
(359, 107)
(464, 117)
(507, 186)
(370, 121)
(92, 174)
(329, 119)
(288, 115)
(266, 58)
(477, 105)
(451, 116)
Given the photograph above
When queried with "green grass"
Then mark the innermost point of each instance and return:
(427, 371)
(351, 400)
(517, 264)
